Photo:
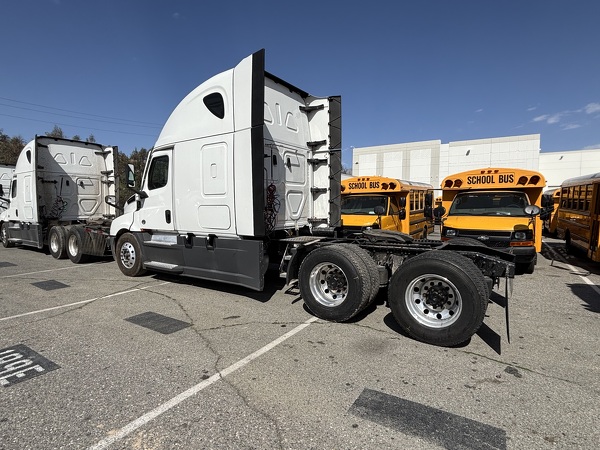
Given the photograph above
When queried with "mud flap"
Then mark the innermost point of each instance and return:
(508, 287)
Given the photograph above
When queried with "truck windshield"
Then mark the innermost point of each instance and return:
(362, 204)
(489, 204)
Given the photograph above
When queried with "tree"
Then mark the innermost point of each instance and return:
(138, 159)
(76, 137)
(56, 132)
(10, 147)
(91, 138)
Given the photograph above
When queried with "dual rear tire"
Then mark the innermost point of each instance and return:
(438, 297)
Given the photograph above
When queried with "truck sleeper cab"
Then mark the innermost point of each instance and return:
(62, 195)
(224, 174)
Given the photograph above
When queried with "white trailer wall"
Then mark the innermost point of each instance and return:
(560, 166)
(431, 161)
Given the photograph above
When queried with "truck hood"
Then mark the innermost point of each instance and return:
(492, 223)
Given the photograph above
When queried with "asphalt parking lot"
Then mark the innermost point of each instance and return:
(92, 359)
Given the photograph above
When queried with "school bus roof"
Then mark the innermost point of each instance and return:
(494, 178)
(377, 184)
(583, 179)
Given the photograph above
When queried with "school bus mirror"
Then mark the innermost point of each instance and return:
(402, 202)
(429, 199)
(402, 214)
(532, 210)
(429, 212)
(379, 210)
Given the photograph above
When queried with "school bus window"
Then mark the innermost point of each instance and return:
(588, 197)
(394, 208)
(362, 204)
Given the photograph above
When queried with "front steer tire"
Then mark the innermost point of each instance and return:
(438, 297)
(334, 282)
(129, 255)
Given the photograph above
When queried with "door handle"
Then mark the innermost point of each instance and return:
(168, 215)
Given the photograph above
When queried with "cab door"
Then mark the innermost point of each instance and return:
(156, 212)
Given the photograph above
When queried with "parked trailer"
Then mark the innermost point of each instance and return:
(62, 195)
(246, 175)
(6, 172)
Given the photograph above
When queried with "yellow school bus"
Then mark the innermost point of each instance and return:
(578, 214)
(550, 203)
(388, 204)
(499, 207)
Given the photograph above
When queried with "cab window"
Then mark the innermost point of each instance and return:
(158, 176)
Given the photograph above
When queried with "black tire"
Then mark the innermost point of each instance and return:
(528, 268)
(371, 267)
(77, 243)
(129, 256)
(568, 244)
(4, 236)
(438, 297)
(466, 241)
(57, 242)
(334, 283)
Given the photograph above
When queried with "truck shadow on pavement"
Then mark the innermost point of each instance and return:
(273, 284)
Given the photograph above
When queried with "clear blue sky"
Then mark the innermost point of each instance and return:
(406, 70)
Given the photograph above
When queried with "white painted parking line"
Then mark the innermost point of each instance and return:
(83, 302)
(143, 420)
(573, 269)
(74, 266)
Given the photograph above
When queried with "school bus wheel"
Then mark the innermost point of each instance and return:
(438, 297)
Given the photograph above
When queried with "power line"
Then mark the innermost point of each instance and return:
(81, 118)
(78, 126)
(77, 112)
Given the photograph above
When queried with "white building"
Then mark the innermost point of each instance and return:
(431, 161)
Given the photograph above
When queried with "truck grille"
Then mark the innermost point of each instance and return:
(494, 239)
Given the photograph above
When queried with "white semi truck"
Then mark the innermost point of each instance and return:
(63, 195)
(6, 171)
(246, 175)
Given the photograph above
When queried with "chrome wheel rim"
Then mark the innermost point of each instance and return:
(328, 284)
(73, 247)
(54, 243)
(433, 301)
(127, 255)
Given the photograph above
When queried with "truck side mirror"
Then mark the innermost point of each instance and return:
(130, 175)
(402, 214)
